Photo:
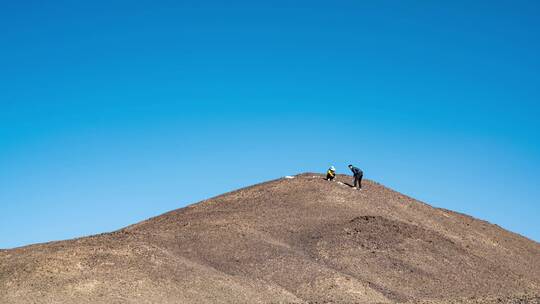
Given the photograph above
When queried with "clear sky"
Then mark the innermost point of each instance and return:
(115, 111)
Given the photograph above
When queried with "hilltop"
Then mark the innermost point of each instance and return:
(291, 240)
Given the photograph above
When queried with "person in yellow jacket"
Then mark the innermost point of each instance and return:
(331, 173)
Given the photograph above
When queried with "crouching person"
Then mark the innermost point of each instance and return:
(331, 174)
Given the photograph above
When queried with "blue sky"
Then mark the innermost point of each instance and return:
(114, 111)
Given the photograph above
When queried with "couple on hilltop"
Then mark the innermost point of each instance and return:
(357, 173)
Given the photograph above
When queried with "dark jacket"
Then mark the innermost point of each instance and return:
(356, 171)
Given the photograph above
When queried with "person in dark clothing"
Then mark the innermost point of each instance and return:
(358, 174)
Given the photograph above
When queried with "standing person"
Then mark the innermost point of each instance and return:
(358, 174)
(331, 174)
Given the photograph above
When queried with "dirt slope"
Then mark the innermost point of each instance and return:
(301, 240)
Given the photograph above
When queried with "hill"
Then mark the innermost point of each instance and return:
(298, 240)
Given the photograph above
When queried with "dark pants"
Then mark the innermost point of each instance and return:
(329, 177)
(358, 180)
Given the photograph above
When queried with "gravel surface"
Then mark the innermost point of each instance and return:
(292, 240)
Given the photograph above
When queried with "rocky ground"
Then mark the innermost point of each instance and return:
(292, 240)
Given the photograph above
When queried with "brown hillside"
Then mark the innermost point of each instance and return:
(301, 240)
